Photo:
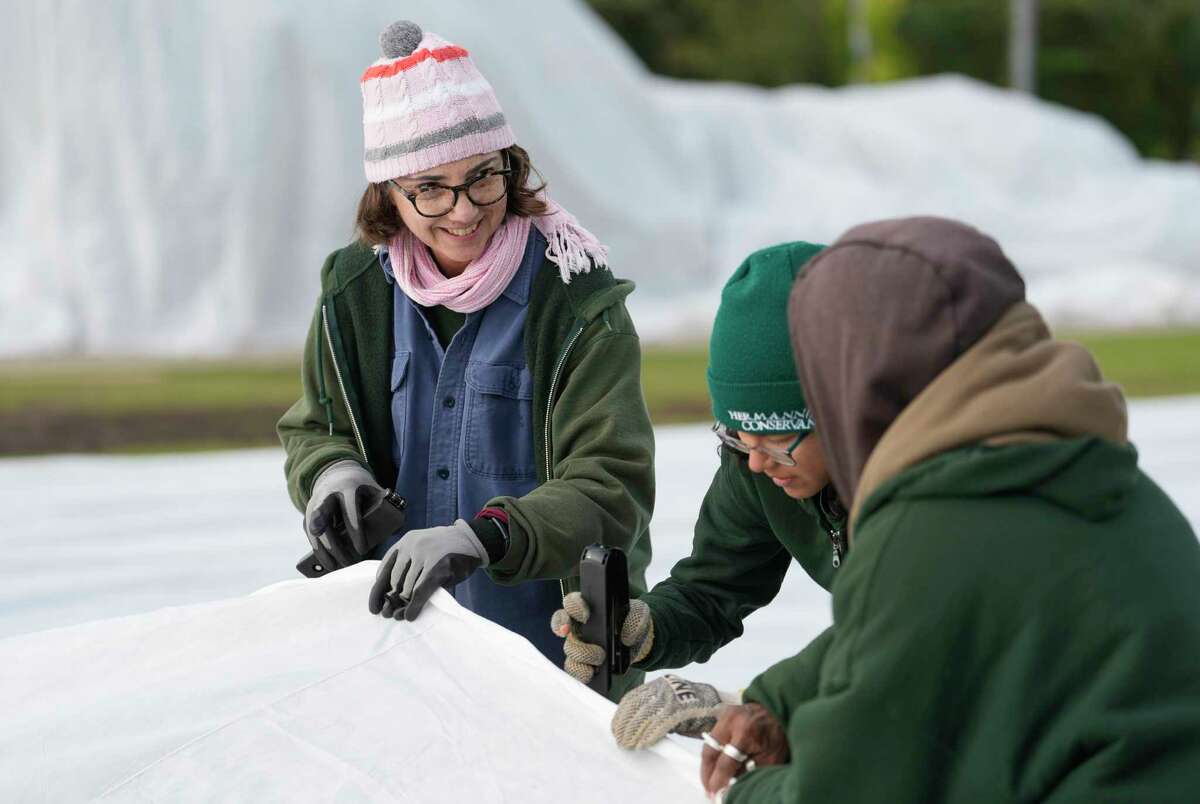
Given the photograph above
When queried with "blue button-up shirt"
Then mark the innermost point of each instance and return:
(462, 421)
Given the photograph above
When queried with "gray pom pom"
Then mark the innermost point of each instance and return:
(400, 39)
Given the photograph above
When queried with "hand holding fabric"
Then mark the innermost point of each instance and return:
(333, 516)
(583, 658)
(422, 562)
(667, 705)
(746, 733)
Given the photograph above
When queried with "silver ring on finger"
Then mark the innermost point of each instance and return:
(733, 752)
(750, 765)
(712, 742)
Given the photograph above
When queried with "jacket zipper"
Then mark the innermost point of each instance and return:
(835, 534)
(839, 549)
(341, 385)
(562, 361)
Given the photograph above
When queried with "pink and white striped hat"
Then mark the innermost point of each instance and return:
(425, 104)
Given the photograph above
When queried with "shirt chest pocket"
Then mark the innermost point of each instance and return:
(499, 421)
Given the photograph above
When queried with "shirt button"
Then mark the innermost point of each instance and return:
(443, 473)
(448, 401)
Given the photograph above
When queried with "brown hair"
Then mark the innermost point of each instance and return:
(378, 220)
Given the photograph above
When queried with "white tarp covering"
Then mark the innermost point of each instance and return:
(290, 692)
(295, 694)
(173, 174)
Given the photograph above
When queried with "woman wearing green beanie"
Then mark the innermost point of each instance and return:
(770, 503)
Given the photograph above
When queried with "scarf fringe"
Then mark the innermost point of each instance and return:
(572, 247)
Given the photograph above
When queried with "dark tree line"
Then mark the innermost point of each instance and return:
(1135, 62)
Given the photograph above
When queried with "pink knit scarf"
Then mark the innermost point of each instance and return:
(572, 247)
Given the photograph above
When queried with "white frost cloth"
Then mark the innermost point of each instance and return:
(296, 693)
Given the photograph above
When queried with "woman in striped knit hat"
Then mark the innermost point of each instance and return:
(472, 351)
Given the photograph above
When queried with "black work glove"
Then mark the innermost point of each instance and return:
(333, 518)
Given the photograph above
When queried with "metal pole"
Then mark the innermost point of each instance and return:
(859, 35)
(1022, 45)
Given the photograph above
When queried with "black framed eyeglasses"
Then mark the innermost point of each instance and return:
(433, 200)
(783, 457)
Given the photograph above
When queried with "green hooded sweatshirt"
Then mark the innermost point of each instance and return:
(1018, 618)
(980, 652)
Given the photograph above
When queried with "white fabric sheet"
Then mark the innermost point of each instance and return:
(269, 695)
(297, 694)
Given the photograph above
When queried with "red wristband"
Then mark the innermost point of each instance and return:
(494, 512)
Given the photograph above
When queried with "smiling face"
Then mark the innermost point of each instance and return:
(803, 480)
(461, 235)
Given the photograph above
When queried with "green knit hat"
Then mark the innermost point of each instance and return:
(751, 375)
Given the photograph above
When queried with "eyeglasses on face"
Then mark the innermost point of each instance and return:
(433, 200)
(781, 456)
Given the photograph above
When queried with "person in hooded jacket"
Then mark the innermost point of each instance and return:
(473, 352)
(769, 506)
(1018, 614)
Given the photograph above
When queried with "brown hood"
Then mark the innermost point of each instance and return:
(1014, 384)
(878, 315)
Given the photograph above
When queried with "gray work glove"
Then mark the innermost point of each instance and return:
(422, 562)
(333, 517)
(583, 658)
(669, 704)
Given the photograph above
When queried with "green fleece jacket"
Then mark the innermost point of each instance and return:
(1061, 581)
(747, 535)
(1018, 618)
(594, 444)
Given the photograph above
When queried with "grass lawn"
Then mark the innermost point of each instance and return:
(146, 405)
(1154, 363)
(120, 386)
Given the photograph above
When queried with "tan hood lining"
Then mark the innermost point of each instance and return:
(1015, 384)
